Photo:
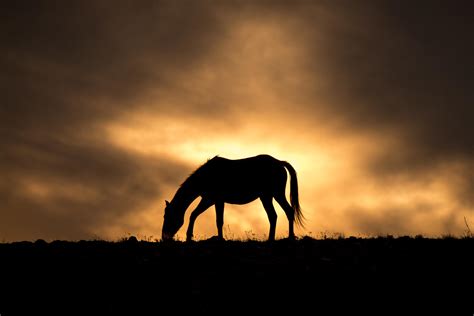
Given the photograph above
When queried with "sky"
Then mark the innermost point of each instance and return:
(107, 106)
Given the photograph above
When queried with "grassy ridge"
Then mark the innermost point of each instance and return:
(137, 277)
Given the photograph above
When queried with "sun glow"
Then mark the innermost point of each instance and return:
(183, 140)
(333, 185)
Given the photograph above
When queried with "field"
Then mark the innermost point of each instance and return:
(309, 276)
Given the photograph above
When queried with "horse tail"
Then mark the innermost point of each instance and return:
(294, 199)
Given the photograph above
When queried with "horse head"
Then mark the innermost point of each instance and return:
(172, 222)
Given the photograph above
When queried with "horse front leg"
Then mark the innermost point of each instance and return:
(220, 219)
(202, 206)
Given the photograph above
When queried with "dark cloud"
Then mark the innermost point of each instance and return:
(63, 57)
(395, 68)
(67, 69)
(405, 69)
(399, 71)
(63, 190)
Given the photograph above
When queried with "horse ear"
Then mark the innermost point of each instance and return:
(167, 203)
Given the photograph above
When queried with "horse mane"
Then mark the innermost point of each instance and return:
(196, 174)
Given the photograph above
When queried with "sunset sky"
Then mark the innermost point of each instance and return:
(107, 106)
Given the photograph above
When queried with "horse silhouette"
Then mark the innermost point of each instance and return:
(240, 181)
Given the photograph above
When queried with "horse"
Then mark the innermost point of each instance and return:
(241, 181)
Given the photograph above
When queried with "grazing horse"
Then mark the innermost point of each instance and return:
(241, 181)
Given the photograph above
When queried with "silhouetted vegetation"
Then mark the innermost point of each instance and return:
(135, 277)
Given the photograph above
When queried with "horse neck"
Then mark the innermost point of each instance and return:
(185, 196)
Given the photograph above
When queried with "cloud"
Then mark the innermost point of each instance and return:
(404, 70)
(67, 71)
(65, 190)
(400, 73)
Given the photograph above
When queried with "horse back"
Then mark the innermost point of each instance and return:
(255, 173)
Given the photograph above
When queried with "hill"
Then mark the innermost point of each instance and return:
(306, 276)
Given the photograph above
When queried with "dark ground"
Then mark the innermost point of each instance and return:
(383, 275)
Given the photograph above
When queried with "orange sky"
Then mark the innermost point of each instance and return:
(108, 115)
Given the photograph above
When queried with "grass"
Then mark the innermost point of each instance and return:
(140, 275)
(467, 232)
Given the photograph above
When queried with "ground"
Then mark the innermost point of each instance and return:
(382, 275)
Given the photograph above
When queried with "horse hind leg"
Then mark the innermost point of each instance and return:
(272, 216)
(290, 213)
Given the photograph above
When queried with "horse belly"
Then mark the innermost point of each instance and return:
(239, 199)
(238, 194)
